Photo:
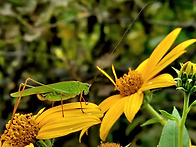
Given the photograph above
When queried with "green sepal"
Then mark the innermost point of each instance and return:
(45, 143)
(177, 71)
(148, 96)
(151, 121)
(181, 88)
(193, 89)
(169, 116)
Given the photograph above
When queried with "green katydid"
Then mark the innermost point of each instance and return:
(52, 92)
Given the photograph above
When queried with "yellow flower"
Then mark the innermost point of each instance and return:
(30, 145)
(132, 85)
(109, 145)
(50, 124)
(190, 144)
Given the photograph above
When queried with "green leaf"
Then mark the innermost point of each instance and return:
(169, 136)
(169, 116)
(192, 104)
(151, 121)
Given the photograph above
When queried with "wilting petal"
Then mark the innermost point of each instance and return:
(163, 80)
(160, 51)
(109, 102)
(133, 105)
(111, 116)
(64, 126)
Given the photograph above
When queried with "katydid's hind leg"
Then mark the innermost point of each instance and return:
(21, 86)
(17, 101)
(62, 104)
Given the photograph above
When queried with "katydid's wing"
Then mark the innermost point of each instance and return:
(31, 91)
(70, 87)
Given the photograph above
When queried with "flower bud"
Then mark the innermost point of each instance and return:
(187, 77)
(188, 68)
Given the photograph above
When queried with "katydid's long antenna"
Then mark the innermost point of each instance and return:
(129, 26)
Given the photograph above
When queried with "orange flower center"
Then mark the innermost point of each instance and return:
(22, 131)
(109, 145)
(129, 83)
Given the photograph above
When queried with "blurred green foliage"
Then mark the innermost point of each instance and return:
(57, 40)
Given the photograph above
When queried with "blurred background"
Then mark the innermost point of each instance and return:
(60, 40)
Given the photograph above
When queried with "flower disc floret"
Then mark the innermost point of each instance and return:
(21, 132)
(129, 83)
(109, 145)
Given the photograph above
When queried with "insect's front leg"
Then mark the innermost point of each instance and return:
(81, 97)
(52, 104)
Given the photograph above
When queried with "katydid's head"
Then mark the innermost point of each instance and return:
(86, 88)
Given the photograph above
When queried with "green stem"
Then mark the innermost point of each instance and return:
(154, 113)
(184, 116)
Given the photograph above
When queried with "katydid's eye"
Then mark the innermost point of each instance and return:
(89, 85)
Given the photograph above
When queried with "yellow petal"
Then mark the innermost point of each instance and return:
(71, 114)
(30, 145)
(190, 144)
(70, 110)
(39, 113)
(141, 66)
(133, 105)
(109, 102)
(111, 116)
(160, 51)
(163, 80)
(106, 75)
(114, 72)
(64, 126)
(82, 133)
(171, 56)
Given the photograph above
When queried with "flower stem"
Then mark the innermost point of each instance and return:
(184, 116)
(154, 113)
